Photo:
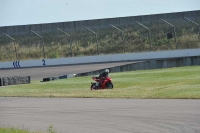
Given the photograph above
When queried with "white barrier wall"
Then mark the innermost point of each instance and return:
(101, 58)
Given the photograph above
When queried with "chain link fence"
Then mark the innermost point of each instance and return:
(144, 36)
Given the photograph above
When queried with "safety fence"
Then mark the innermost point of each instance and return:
(111, 38)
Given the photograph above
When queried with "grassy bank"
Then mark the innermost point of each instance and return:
(182, 82)
(18, 130)
(14, 130)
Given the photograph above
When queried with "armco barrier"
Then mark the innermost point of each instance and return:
(5, 81)
(102, 58)
(152, 64)
(57, 78)
(1, 84)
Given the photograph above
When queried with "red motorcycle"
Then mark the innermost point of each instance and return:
(103, 83)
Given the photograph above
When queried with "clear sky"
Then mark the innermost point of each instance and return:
(22, 12)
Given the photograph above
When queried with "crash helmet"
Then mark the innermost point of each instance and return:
(106, 71)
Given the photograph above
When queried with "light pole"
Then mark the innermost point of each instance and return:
(14, 44)
(149, 34)
(122, 36)
(174, 31)
(69, 39)
(194, 23)
(42, 42)
(95, 37)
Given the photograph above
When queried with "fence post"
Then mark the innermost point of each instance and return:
(95, 37)
(196, 24)
(14, 44)
(174, 31)
(122, 36)
(42, 42)
(69, 39)
(149, 34)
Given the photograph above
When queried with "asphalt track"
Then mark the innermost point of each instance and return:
(68, 115)
(43, 72)
(71, 115)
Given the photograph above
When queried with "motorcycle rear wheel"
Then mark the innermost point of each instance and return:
(93, 86)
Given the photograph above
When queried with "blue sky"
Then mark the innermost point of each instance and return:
(22, 12)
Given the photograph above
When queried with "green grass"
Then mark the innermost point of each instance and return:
(14, 130)
(171, 83)
(17, 130)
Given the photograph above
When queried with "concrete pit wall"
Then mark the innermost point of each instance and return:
(152, 64)
(158, 55)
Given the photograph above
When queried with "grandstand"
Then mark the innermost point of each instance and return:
(103, 36)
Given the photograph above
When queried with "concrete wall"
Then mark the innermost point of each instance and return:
(152, 64)
(97, 23)
(102, 58)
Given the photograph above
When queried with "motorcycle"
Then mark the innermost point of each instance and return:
(103, 83)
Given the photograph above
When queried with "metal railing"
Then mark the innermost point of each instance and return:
(134, 38)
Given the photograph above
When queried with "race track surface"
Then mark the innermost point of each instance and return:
(68, 115)
(71, 115)
(43, 72)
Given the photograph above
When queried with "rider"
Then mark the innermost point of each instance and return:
(102, 76)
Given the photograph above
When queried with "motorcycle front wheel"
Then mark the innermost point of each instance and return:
(109, 85)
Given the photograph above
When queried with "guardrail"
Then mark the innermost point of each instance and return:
(5, 81)
(101, 59)
(152, 64)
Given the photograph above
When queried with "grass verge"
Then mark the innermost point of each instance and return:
(171, 83)
(17, 130)
(14, 130)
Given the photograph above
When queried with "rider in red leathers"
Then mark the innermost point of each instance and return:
(102, 76)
